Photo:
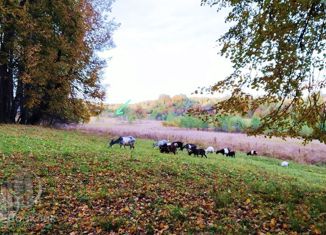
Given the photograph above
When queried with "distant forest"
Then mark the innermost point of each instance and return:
(174, 111)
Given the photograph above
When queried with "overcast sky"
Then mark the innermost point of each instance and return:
(163, 47)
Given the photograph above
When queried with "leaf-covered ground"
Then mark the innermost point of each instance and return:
(91, 189)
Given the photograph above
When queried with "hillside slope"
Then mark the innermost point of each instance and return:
(87, 187)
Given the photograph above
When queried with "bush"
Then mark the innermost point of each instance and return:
(306, 131)
(170, 117)
(232, 123)
(238, 124)
(228, 123)
(192, 122)
(131, 118)
(153, 114)
(224, 123)
(175, 122)
(255, 122)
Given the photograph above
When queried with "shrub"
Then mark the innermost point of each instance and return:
(306, 131)
(170, 117)
(237, 123)
(153, 114)
(228, 123)
(131, 118)
(175, 122)
(232, 123)
(223, 123)
(192, 122)
(255, 122)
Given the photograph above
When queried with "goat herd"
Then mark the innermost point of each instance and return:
(171, 147)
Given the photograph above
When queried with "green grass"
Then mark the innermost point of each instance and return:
(88, 187)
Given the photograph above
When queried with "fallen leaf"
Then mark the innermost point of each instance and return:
(248, 201)
(272, 223)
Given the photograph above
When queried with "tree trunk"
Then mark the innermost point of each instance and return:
(6, 77)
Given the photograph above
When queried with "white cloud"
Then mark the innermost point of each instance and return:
(163, 46)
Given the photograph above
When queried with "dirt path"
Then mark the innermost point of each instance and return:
(292, 149)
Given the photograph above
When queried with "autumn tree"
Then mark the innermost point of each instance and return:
(277, 49)
(140, 112)
(49, 68)
(164, 99)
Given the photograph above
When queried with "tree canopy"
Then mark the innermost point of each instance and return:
(277, 48)
(49, 67)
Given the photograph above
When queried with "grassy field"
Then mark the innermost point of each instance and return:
(291, 149)
(91, 189)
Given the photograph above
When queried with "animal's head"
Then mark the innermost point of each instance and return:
(111, 143)
(179, 144)
(186, 146)
(163, 147)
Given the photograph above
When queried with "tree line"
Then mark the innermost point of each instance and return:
(49, 68)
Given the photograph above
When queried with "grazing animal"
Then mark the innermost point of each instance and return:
(159, 143)
(189, 147)
(178, 144)
(210, 149)
(231, 154)
(197, 152)
(224, 151)
(124, 141)
(168, 148)
(252, 152)
(285, 163)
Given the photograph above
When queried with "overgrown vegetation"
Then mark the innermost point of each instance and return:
(174, 111)
(88, 188)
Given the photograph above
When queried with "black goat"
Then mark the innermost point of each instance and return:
(197, 152)
(231, 154)
(178, 144)
(189, 147)
(252, 152)
(168, 148)
(224, 151)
